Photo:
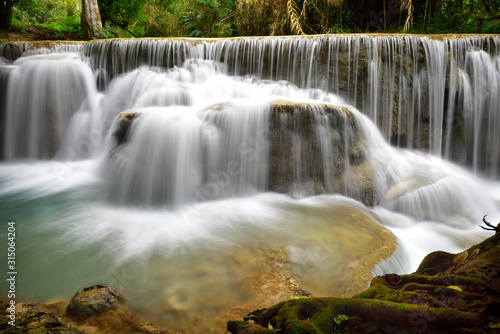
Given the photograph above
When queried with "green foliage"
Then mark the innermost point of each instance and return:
(60, 16)
(340, 322)
(132, 16)
(209, 18)
(453, 16)
(229, 18)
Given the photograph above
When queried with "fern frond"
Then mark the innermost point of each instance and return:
(304, 8)
(292, 11)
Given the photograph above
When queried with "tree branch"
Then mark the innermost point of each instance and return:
(491, 227)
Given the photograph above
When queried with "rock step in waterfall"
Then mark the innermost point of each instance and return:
(239, 148)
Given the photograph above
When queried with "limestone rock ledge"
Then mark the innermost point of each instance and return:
(313, 149)
(448, 294)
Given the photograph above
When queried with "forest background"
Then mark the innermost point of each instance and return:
(66, 19)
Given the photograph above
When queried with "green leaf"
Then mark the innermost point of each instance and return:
(496, 326)
(454, 287)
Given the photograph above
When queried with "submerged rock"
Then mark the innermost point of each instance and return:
(93, 300)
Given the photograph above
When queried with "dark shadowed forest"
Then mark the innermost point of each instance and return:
(90, 19)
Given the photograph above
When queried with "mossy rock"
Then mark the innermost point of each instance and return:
(242, 327)
(435, 262)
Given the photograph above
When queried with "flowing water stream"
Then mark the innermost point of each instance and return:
(172, 168)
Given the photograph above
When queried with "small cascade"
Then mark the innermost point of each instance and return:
(4, 76)
(178, 155)
(43, 93)
(397, 263)
(10, 51)
(111, 57)
(479, 92)
(423, 186)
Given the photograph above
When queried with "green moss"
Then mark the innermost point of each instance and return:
(40, 330)
(491, 242)
(402, 307)
(444, 280)
(236, 326)
(313, 315)
(383, 292)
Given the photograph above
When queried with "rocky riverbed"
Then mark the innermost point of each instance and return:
(262, 276)
(457, 293)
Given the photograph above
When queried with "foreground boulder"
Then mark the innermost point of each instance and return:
(448, 294)
(95, 309)
(93, 300)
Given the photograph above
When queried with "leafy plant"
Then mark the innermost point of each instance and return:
(340, 322)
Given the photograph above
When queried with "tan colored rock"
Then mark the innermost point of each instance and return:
(93, 300)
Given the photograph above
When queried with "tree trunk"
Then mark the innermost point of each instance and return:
(91, 19)
(5, 13)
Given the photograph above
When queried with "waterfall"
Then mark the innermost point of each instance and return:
(190, 157)
(433, 95)
(413, 88)
(43, 93)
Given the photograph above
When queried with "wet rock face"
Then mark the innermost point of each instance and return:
(124, 123)
(93, 300)
(12, 50)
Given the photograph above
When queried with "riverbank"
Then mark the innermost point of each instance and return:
(449, 293)
(30, 33)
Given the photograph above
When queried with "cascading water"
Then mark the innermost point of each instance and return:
(183, 159)
(43, 93)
